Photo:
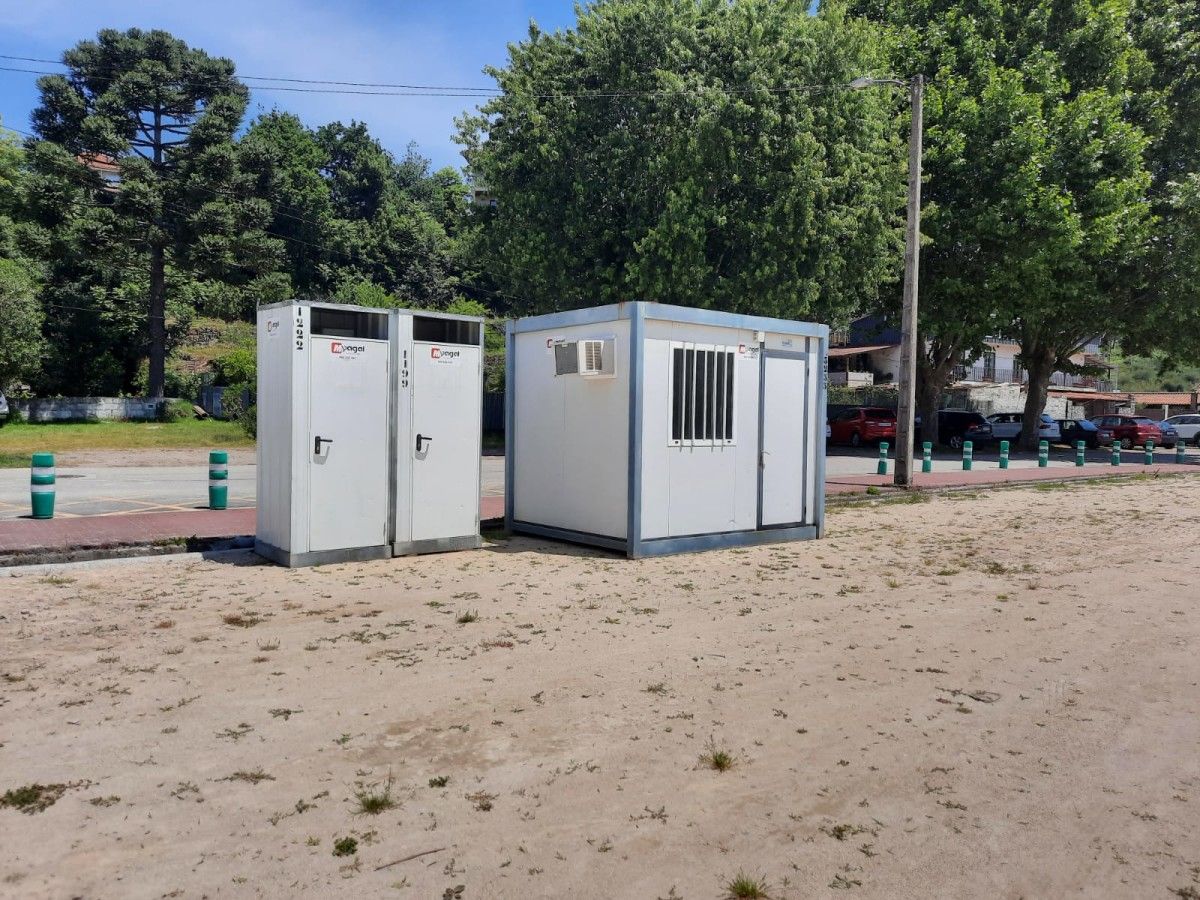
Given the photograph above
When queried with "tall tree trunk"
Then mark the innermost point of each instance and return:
(934, 366)
(1039, 363)
(929, 393)
(158, 324)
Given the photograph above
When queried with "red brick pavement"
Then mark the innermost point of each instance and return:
(88, 532)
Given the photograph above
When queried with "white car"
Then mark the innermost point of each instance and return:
(3, 409)
(1007, 427)
(1188, 426)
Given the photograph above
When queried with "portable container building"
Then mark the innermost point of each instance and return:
(657, 429)
(368, 432)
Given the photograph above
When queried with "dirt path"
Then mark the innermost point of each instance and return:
(975, 696)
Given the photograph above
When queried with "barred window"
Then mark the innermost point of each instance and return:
(701, 394)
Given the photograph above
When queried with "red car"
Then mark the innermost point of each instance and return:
(863, 424)
(1130, 431)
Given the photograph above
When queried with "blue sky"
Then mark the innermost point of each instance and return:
(444, 42)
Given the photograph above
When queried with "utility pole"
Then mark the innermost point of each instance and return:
(908, 325)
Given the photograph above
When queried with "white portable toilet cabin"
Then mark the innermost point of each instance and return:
(655, 429)
(369, 431)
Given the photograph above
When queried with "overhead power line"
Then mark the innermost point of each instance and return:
(386, 89)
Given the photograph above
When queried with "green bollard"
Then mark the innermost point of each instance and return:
(1004, 454)
(1080, 453)
(881, 468)
(1148, 456)
(1180, 453)
(927, 456)
(968, 454)
(41, 485)
(1116, 453)
(218, 479)
(1043, 454)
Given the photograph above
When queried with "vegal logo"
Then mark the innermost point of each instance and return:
(442, 353)
(340, 349)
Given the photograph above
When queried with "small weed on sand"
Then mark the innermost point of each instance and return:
(33, 798)
(746, 887)
(715, 758)
(241, 620)
(373, 801)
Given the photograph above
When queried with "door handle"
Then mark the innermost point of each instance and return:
(420, 439)
(318, 441)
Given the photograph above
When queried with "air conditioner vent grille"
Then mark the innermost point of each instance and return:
(566, 358)
(593, 357)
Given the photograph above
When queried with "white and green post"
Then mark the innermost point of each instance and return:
(41, 485)
(218, 479)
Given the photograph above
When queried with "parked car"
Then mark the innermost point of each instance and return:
(1170, 437)
(1188, 426)
(860, 425)
(1092, 435)
(1007, 426)
(958, 425)
(3, 408)
(1130, 431)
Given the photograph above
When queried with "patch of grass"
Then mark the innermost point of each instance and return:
(241, 620)
(659, 688)
(873, 491)
(14, 460)
(716, 758)
(482, 800)
(440, 781)
(33, 798)
(283, 712)
(466, 617)
(345, 846)
(746, 887)
(841, 832)
(373, 801)
(251, 777)
(19, 440)
(111, 800)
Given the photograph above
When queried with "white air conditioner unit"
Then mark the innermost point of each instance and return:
(597, 358)
(593, 358)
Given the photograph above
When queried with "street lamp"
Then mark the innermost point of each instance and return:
(912, 252)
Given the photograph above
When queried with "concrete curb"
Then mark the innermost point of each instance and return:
(166, 547)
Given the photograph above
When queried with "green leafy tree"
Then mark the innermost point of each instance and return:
(1168, 106)
(167, 114)
(351, 214)
(1038, 225)
(676, 152)
(21, 343)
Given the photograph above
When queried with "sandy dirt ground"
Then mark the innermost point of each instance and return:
(982, 695)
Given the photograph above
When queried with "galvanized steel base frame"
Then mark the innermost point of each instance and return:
(637, 312)
(320, 557)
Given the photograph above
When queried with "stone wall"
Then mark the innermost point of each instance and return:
(62, 409)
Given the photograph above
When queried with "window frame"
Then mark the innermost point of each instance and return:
(694, 406)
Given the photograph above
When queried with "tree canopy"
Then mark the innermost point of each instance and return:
(706, 154)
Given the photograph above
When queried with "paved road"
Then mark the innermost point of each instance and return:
(102, 491)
